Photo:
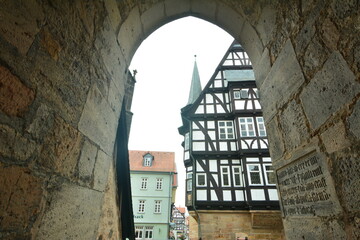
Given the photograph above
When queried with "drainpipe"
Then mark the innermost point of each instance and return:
(193, 199)
(170, 205)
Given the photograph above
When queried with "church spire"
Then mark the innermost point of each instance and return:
(195, 88)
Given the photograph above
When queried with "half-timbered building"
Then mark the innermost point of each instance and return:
(226, 153)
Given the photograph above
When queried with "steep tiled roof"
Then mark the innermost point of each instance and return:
(162, 162)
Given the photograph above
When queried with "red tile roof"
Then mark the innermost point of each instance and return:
(162, 162)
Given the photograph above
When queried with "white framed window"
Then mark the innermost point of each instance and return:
(269, 174)
(144, 232)
(244, 94)
(148, 233)
(189, 185)
(144, 182)
(247, 127)
(187, 141)
(157, 208)
(147, 160)
(226, 130)
(225, 176)
(254, 174)
(237, 176)
(141, 206)
(201, 179)
(159, 184)
(261, 126)
(139, 232)
(237, 95)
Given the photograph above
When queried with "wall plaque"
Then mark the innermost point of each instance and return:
(306, 187)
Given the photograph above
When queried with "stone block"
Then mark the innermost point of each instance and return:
(109, 223)
(329, 34)
(131, 34)
(335, 138)
(175, 8)
(205, 8)
(153, 18)
(353, 121)
(20, 198)
(283, 81)
(51, 45)
(293, 124)
(61, 149)
(115, 98)
(101, 170)
(262, 68)
(250, 40)
(329, 90)
(15, 97)
(347, 178)
(14, 146)
(98, 121)
(114, 14)
(73, 213)
(87, 161)
(42, 122)
(226, 17)
(276, 143)
(266, 24)
(21, 24)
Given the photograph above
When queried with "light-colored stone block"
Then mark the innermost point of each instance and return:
(74, 213)
(329, 90)
(131, 34)
(101, 170)
(276, 143)
(98, 121)
(335, 138)
(250, 40)
(153, 18)
(205, 8)
(174, 8)
(262, 68)
(293, 124)
(114, 14)
(226, 17)
(266, 24)
(87, 160)
(354, 121)
(282, 82)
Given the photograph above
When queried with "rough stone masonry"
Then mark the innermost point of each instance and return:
(63, 67)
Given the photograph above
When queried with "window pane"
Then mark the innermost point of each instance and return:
(255, 178)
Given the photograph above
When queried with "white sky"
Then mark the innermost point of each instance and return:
(165, 62)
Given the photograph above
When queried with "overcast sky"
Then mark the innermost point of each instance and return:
(164, 62)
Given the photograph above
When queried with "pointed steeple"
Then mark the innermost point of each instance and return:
(195, 88)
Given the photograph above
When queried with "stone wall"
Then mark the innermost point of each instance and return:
(224, 225)
(62, 80)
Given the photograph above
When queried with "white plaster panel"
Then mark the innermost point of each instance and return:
(227, 195)
(213, 195)
(201, 195)
(257, 194)
(273, 195)
(239, 195)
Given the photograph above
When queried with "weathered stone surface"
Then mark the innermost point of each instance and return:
(50, 44)
(20, 198)
(206, 8)
(335, 138)
(267, 24)
(329, 90)
(42, 122)
(114, 14)
(262, 68)
(292, 121)
(61, 149)
(15, 97)
(152, 18)
(101, 170)
(176, 8)
(131, 35)
(353, 120)
(109, 223)
(275, 139)
(87, 161)
(74, 213)
(14, 146)
(347, 173)
(314, 57)
(284, 79)
(227, 15)
(329, 34)
(98, 121)
(19, 23)
(251, 42)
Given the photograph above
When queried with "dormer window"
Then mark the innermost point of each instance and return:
(148, 158)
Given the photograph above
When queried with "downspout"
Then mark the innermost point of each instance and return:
(193, 199)
(170, 205)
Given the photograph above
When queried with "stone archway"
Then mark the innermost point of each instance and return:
(63, 77)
